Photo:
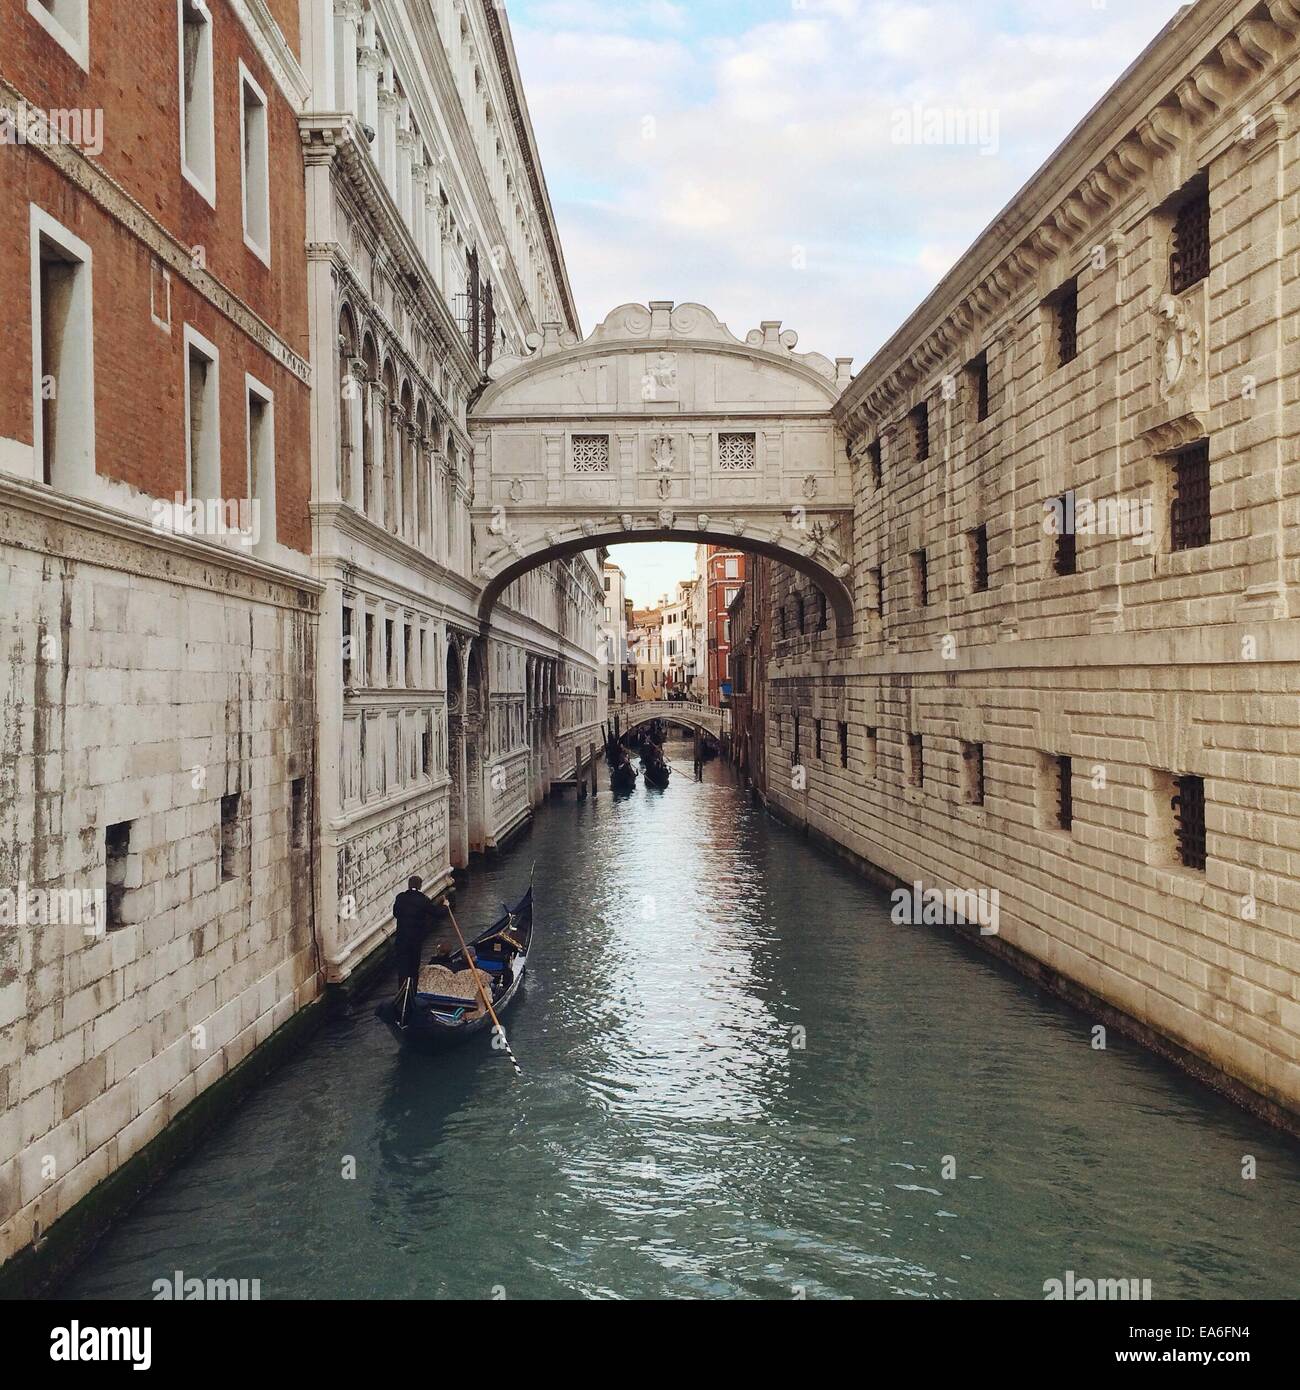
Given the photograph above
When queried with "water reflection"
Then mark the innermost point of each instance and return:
(740, 1079)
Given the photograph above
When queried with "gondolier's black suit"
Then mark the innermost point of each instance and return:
(415, 915)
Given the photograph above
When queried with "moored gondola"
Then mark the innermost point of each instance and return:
(447, 1007)
(656, 772)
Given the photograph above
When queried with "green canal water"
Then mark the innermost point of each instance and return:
(741, 1080)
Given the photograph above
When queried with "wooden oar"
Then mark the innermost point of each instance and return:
(472, 962)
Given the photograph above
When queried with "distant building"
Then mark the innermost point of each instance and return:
(616, 621)
(645, 648)
(722, 572)
(751, 639)
(679, 640)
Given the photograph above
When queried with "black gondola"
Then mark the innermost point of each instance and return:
(433, 1021)
(622, 776)
(656, 773)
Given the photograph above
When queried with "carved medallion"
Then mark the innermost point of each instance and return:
(1178, 339)
(810, 487)
(663, 452)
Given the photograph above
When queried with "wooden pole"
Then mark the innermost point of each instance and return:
(482, 993)
(579, 771)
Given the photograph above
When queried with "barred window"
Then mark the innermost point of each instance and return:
(977, 373)
(972, 755)
(844, 744)
(798, 613)
(1189, 517)
(736, 452)
(915, 760)
(920, 578)
(1189, 820)
(978, 542)
(817, 739)
(1189, 258)
(591, 453)
(1065, 557)
(921, 430)
(1064, 792)
(878, 586)
(821, 610)
(876, 463)
(1066, 314)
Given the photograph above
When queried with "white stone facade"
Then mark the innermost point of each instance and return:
(1156, 646)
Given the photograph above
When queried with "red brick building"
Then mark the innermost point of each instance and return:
(724, 573)
(163, 236)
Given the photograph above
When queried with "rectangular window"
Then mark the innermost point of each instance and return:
(1065, 319)
(977, 549)
(872, 751)
(1188, 804)
(844, 744)
(349, 643)
(1065, 554)
(1189, 515)
(729, 596)
(63, 355)
(795, 754)
(736, 453)
(372, 653)
(798, 614)
(1064, 778)
(230, 836)
(821, 610)
(298, 813)
(920, 418)
(977, 379)
(817, 739)
(261, 463)
(1189, 252)
(972, 767)
(875, 462)
(390, 651)
(202, 417)
(426, 750)
(920, 578)
(198, 130)
(67, 22)
(256, 166)
(915, 760)
(424, 659)
(590, 453)
(408, 649)
(731, 571)
(117, 850)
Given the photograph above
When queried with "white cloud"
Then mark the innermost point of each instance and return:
(766, 183)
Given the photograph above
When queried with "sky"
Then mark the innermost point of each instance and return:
(776, 159)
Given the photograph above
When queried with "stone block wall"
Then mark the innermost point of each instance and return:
(1140, 660)
(147, 685)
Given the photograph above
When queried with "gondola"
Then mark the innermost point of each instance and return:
(432, 1021)
(656, 773)
(622, 776)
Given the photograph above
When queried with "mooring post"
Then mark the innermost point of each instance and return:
(578, 777)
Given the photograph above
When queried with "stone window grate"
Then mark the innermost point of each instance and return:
(1065, 792)
(921, 431)
(1065, 558)
(875, 461)
(736, 452)
(1189, 260)
(979, 373)
(844, 744)
(1189, 521)
(979, 558)
(1067, 322)
(1189, 820)
(590, 453)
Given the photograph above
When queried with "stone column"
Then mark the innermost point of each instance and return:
(370, 64)
(419, 214)
(387, 140)
(407, 142)
(348, 16)
(354, 402)
(378, 448)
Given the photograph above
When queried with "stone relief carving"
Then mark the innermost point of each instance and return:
(663, 451)
(810, 487)
(517, 490)
(1178, 339)
(666, 518)
(664, 487)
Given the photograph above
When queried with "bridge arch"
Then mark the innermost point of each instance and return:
(663, 425)
(694, 714)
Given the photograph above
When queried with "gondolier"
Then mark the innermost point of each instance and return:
(415, 916)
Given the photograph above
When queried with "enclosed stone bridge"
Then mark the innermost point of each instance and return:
(695, 714)
(663, 425)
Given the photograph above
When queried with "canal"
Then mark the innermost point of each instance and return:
(741, 1080)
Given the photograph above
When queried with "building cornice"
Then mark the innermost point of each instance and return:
(503, 48)
(334, 138)
(102, 533)
(273, 49)
(1197, 74)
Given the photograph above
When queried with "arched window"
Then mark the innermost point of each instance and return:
(348, 388)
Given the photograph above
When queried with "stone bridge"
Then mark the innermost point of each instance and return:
(663, 425)
(694, 713)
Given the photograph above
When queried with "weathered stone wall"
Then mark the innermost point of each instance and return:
(1148, 662)
(145, 681)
